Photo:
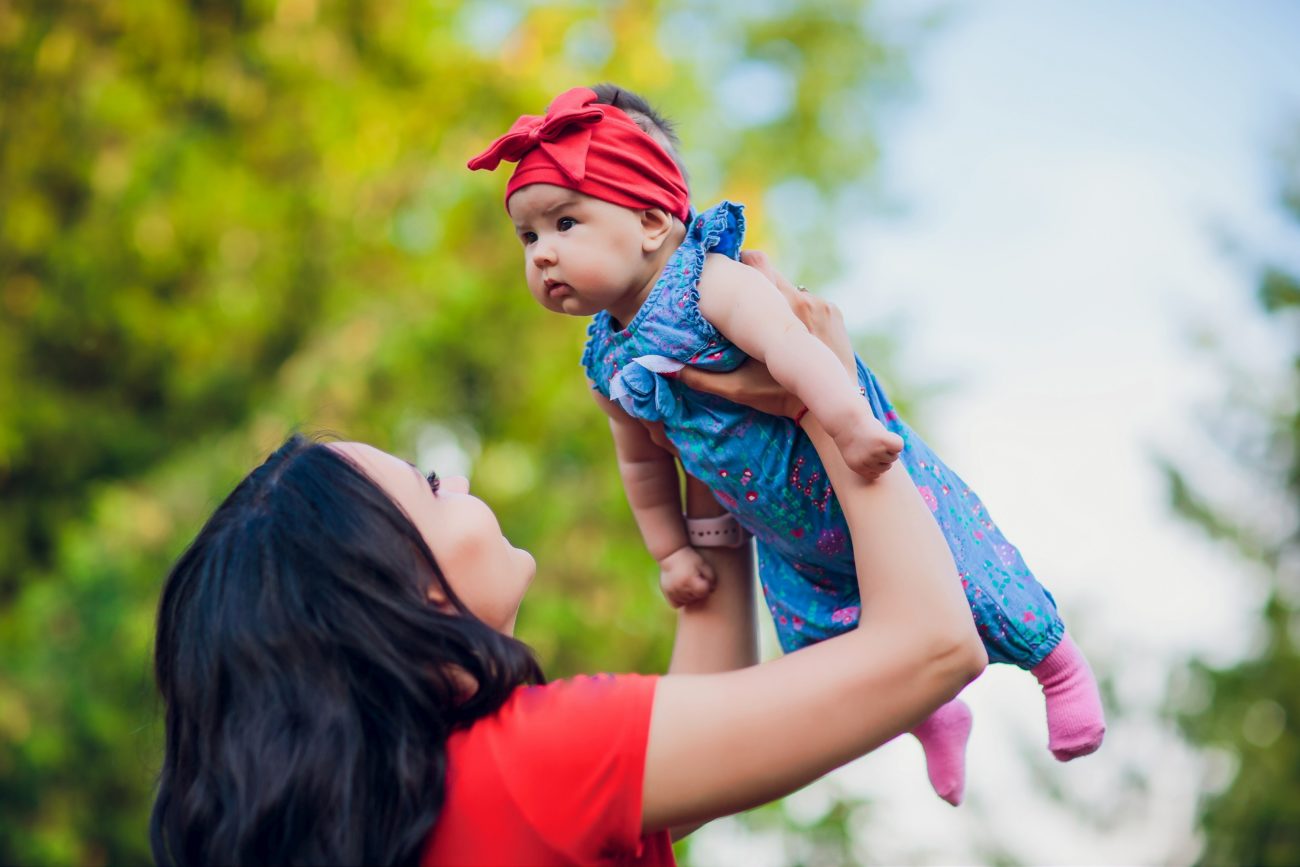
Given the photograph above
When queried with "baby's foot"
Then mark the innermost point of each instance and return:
(943, 736)
(1076, 722)
(869, 448)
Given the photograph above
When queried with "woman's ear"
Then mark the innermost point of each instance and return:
(437, 597)
(656, 227)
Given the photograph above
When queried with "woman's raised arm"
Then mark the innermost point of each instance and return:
(720, 743)
(718, 633)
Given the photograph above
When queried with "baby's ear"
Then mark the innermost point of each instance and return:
(656, 228)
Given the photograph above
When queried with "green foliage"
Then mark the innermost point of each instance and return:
(222, 221)
(1251, 711)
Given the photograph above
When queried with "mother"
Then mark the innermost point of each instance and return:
(342, 685)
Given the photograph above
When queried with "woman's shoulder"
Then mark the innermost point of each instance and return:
(554, 775)
(538, 719)
(536, 708)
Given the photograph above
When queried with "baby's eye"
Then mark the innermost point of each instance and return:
(527, 237)
(434, 484)
(566, 223)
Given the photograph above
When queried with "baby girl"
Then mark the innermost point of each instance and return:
(602, 210)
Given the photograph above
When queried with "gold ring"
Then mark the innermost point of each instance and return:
(802, 288)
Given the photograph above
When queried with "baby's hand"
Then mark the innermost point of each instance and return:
(869, 448)
(685, 577)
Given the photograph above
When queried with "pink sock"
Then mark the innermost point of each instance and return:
(1075, 721)
(943, 736)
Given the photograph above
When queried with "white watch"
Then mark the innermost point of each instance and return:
(723, 531)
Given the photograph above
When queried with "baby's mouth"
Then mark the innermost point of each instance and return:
(556, 289)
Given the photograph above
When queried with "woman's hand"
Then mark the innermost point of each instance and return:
(751, 384)
(821, 317)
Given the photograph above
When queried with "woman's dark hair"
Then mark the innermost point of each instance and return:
(309, 684)
(635, 106)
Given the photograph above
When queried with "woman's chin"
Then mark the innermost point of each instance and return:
(509, 627)
(530, 564)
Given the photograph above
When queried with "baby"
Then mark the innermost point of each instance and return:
(602, 209)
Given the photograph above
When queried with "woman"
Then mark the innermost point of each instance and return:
(342, 685)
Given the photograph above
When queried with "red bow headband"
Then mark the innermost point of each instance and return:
(596, 149)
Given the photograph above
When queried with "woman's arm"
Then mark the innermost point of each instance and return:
(720, 743)
(718, 633)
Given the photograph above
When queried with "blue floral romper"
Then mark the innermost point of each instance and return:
(765, 471)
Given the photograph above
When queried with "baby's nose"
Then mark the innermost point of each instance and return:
(543, 254)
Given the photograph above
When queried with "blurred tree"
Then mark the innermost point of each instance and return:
(1250, 711)
(222, 221)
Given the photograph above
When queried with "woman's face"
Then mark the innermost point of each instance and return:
(481, 566)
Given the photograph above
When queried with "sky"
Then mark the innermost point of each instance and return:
(1078, 190)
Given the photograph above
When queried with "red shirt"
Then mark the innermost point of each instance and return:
(554, 777)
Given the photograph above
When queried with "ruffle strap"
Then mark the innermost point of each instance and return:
(720, 229)
(642, 391)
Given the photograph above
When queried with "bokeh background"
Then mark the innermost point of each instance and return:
(1066, 234)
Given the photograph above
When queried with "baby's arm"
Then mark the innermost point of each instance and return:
(653, 491)
(751, 312)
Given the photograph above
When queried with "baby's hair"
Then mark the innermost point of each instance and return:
(655, 124)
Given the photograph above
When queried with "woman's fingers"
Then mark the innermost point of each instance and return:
(826, 323)
(751, 384)
(820, 316)
(758, 260)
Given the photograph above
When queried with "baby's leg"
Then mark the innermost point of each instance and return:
(808, 603)
(1015, 615)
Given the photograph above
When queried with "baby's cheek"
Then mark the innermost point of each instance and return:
(600, 270)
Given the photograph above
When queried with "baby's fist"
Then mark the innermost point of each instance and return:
(869, 449)
(685, 577)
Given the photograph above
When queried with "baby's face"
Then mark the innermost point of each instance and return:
(581, 254)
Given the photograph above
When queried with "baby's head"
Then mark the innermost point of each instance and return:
(655, 125)
(596, 199)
